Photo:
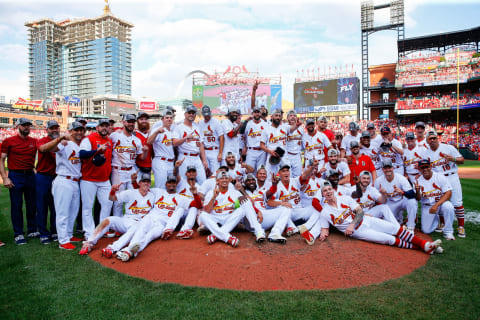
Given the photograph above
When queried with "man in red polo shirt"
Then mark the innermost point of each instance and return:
(20, 152)
(96, 155)
(143, 127)
(360, 162)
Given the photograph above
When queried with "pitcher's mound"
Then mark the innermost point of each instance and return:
(339, 262)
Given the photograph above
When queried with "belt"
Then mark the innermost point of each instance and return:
(71, 178)
(122, 168)
(212, 148)
(24, 171)
(191, 154)
(449, 174)
(293, 154)
(254, 148)
(166, 159)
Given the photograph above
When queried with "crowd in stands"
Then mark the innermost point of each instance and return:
(422, 100)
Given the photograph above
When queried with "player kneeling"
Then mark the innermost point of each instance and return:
(138, 203)
(347, 216)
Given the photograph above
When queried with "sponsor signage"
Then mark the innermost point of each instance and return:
(72, 99)
(147, 105)
(414, 111)
(31, 105)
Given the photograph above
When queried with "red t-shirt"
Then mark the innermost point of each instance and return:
(20, 152)
(147, 162)
(46, 160)
(329, 133)
(357, 166)
(91, 172)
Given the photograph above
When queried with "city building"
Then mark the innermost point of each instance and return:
(382, 91)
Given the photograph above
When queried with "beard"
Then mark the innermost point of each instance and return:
(276, 122)
(143, 127)
(233, 118)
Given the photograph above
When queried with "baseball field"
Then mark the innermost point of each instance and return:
(42, 282)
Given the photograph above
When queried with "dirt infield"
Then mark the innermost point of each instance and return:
(469, 173)
(337, 263)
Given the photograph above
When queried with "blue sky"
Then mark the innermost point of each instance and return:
(172, 38)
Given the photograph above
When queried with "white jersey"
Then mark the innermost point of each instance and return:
(391, 154)
(290, 193)
(125, 149)
(310, 189)
(294, 141)
(314, 145)
(166, 203)
(438, 161)
(136, 205)
(347, 140)
(411, 158)
(163, 145)
(369, 198)
(231, 144)
(422, 143)
(259, 198)
(342, 169)
(68, 160)
(237, 173)
(341, 216)
(433, 189)
(398, 180)
(225, 202)
(345, 191)
(183, 189)
(373, 153)
(376, 142)
(207, 185)
(211, 131)
(159, 124)
(193, 146)
(275, 137)
(253, 132)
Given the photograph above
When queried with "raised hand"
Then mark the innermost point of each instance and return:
(178, 163)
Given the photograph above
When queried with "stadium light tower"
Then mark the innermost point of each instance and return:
(397, 18)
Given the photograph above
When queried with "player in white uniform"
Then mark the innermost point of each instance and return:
(213, 138)
(341, 167)
(161, 139)
(400, 194)
(227, 207)
(188, 137)
(168, 110)
(138, 203)
(354, 135)
(236, 171)
(434, 191)
(314, 143)
(371, 149)
(310, 189)
(391, 149)
(411, 155)
(347, 216)
(444, 159)
(65, 187)
(375, 139)
(420, 132)
(253, 132)
(126, 148)
(294, 145)
(231, 129)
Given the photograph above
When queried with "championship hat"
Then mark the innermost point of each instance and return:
(98, 159)
(365, 134)
(432, 133)
(283, 165)
(206, 111)
(331, 172)
(410, 135)
(250, 176)
(310, 121)
(23, 121)
(52, 123)
(277, 111)
(191, 168)
(332, 152)
(354, 144)
(424, 163)
(75, 125)
(81, 120)
(322, 118)
(324, 184)
(129, 117)
(387, 163)
(291, 112)
(103, 121)
(420, 124)
(371, 125)
(222, 174)
(385, 130)
(256, 109)
(142, 176)
(171, 178)
(143, 114)
(352, 126)
(190, 108)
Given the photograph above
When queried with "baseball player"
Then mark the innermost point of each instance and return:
(65, 187)
(359, 162)
(308, 191)
(294, 145)
(371, 149)
(323, 128)
(226, 207)
(391, 149)
(168, 110)
(347, 216)
(213, 138)
(353, 135)
(188, 137)
(375, 139)
(411, 155)
(161, 140)
(339, 166)
(420, 132)
(138, 203)
(444, 159)
(253, 132)
(333, 177)
(231, 127)
(126, 148)
(314, 143)
(96, 155)
(236, 171)
(143, 128)
(434, 191)
(400, 194)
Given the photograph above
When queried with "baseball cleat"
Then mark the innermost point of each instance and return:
(107, 252)
(411, 229)
(75, 239)
(134, 249)
(260, 237)
(461, 232)
(233, 241)
(211, 239)
(439, 250)
(291, 231)
(118, 234)
(109, 234)
(55, 237)
(33, 235)
(167, 233)
(185, 234)
(202, 230)
(86, 248)
(20, 240)
(124, 255)
(440, 227)
(277, 239)
(67, 246)
(305, 233)
(449, 236)
(1, 244)
(45, 240)
(430, 247)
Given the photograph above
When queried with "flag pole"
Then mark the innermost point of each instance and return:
(458, 96)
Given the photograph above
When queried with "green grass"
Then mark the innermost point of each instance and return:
(470, 164)
(42, 282)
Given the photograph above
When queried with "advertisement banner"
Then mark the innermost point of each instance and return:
(147, 105)
(414, 111)
(31, 105)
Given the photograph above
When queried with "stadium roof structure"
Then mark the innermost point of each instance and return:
(440, 41)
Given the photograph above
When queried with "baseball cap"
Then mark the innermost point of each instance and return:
(230, 154)
(371, 125)
(250, 176)
(424, 163)
(170, 108)
(432, 133)
(324, 184)
(352, 126)
(261, 167)
(52, 123)
(387, 163)
(410, 135)
(420, 124)
(354, 144)
(332, 152)
(128, 117)
(190, 108)
(81, 120)
(385, 130)
(75, 125)
(291, 112)
(365, 172)
(103, 121)
(171, 178)
(331, 172)
(310, 121)
(98, 159)
(23, 121)
(206, 110)
(365, 134)
(232, 109)
(283, 165)
(111, 121)
(190, 168)
(167, 113)
(256, 108)
(222, 174)
(142, 176)
(143, 114)
(277, 111)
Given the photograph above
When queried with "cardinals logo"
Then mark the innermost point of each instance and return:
(133, 205)
(166, 141)
(135, 209)
(436, 187)
(73, 158)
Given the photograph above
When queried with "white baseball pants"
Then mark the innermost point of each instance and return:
(118, 224)
(124, 177)
(382, 211)
(192, 161)
(255, 158)
(300, 214)
(276, 219)
(295, 163)
(88, 191)
(227, 222)
(212, 159)
(161, 169)
(66, 198)
(189, 216)
(397, 208)
(430, 220)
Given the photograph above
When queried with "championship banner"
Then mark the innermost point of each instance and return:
(31, 105)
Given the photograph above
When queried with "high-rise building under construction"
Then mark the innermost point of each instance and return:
(80, 57)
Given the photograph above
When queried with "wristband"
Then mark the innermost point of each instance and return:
(112, 192)
(236, 204)
(273, 189)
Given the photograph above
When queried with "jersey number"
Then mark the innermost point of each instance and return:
(210, 139)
